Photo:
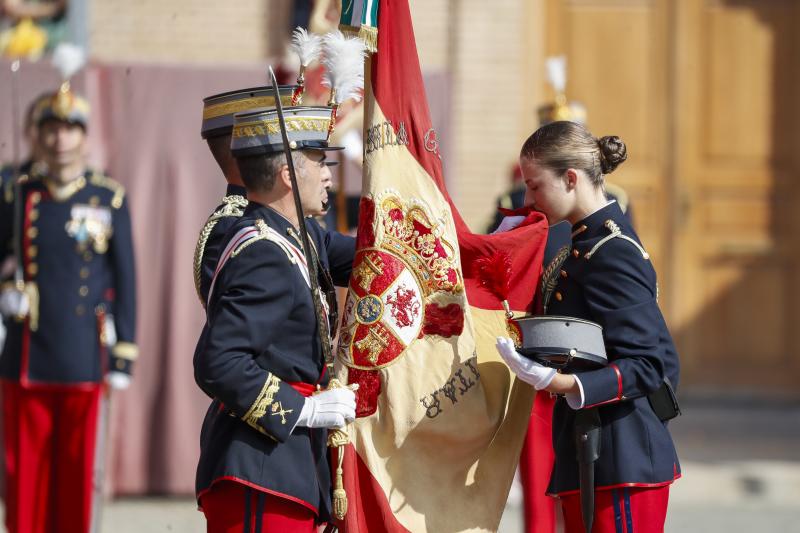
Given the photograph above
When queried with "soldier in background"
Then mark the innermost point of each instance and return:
(70, 312)
(218, 111)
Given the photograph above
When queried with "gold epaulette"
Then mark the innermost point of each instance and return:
(616, 233)
(233, 206)
(8, 186)
(114, 186)
(8, 191)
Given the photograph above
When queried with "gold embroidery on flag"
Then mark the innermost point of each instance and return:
(410, 267)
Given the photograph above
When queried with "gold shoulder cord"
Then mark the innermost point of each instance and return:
(616, 232)
(233, 206)
(115, 187)
(550, 275)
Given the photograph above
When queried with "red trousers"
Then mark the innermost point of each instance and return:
(49, 438)
(622, 510)
(535, 465)
(232, 507)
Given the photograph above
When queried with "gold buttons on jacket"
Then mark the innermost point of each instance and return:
(84, 273)
(36, 197)
(575, 252)
(87, 256)
(83, 291)
(34, 214)
(33, 250)
(33, 269)
(558, 296)
(80, 310)
(33, 232)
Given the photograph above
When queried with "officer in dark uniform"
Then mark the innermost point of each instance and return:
(218, 111)
(263, 457)
(70, 313)
(603, 275)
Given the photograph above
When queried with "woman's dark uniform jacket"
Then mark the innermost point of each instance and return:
(260, 336)
(610, 280)
(212, 238)
(82, 271)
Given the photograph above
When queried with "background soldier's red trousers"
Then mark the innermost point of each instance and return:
(50, 436)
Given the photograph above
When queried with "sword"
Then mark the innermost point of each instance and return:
(587, 447)
(311, 257)
(17, 243)
(336, 438)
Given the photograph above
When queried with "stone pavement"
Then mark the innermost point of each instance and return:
(741, 472)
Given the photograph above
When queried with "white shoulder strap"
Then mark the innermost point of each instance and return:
(250, 234)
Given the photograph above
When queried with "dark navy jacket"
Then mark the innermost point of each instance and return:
(261, 335)
(211, 240)
(77, 254)
(610, 280)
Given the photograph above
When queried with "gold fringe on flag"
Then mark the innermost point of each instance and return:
(368, 34)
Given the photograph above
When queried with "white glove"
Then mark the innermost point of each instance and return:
(332, 408)
(526, 369)
(118, 380)
(509, 223)
(14, 303)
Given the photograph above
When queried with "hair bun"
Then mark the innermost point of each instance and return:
(612, 153)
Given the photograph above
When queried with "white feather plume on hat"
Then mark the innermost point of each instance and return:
(68, 59)
(556, 67)
(306, 45)
(343, 58)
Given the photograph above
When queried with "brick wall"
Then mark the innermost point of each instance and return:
(488, 49)
(187, 31)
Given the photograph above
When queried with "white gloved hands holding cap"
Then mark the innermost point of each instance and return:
(331, 408)
(526, 369)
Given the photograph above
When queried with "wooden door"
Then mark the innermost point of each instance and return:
(704, 93)
(736, 177)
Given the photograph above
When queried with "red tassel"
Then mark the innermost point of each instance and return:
(494, 274)
(369, 388)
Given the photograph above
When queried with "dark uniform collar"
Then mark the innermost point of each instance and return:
(275, 220)
(594, 225)
(235, 190)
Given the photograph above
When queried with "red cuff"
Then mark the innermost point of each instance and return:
(619, 389)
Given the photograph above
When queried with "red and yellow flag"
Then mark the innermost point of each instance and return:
(441, 419)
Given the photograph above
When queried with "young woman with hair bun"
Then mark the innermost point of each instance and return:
(604, 275)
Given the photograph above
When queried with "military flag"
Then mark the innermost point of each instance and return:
(441, 419)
